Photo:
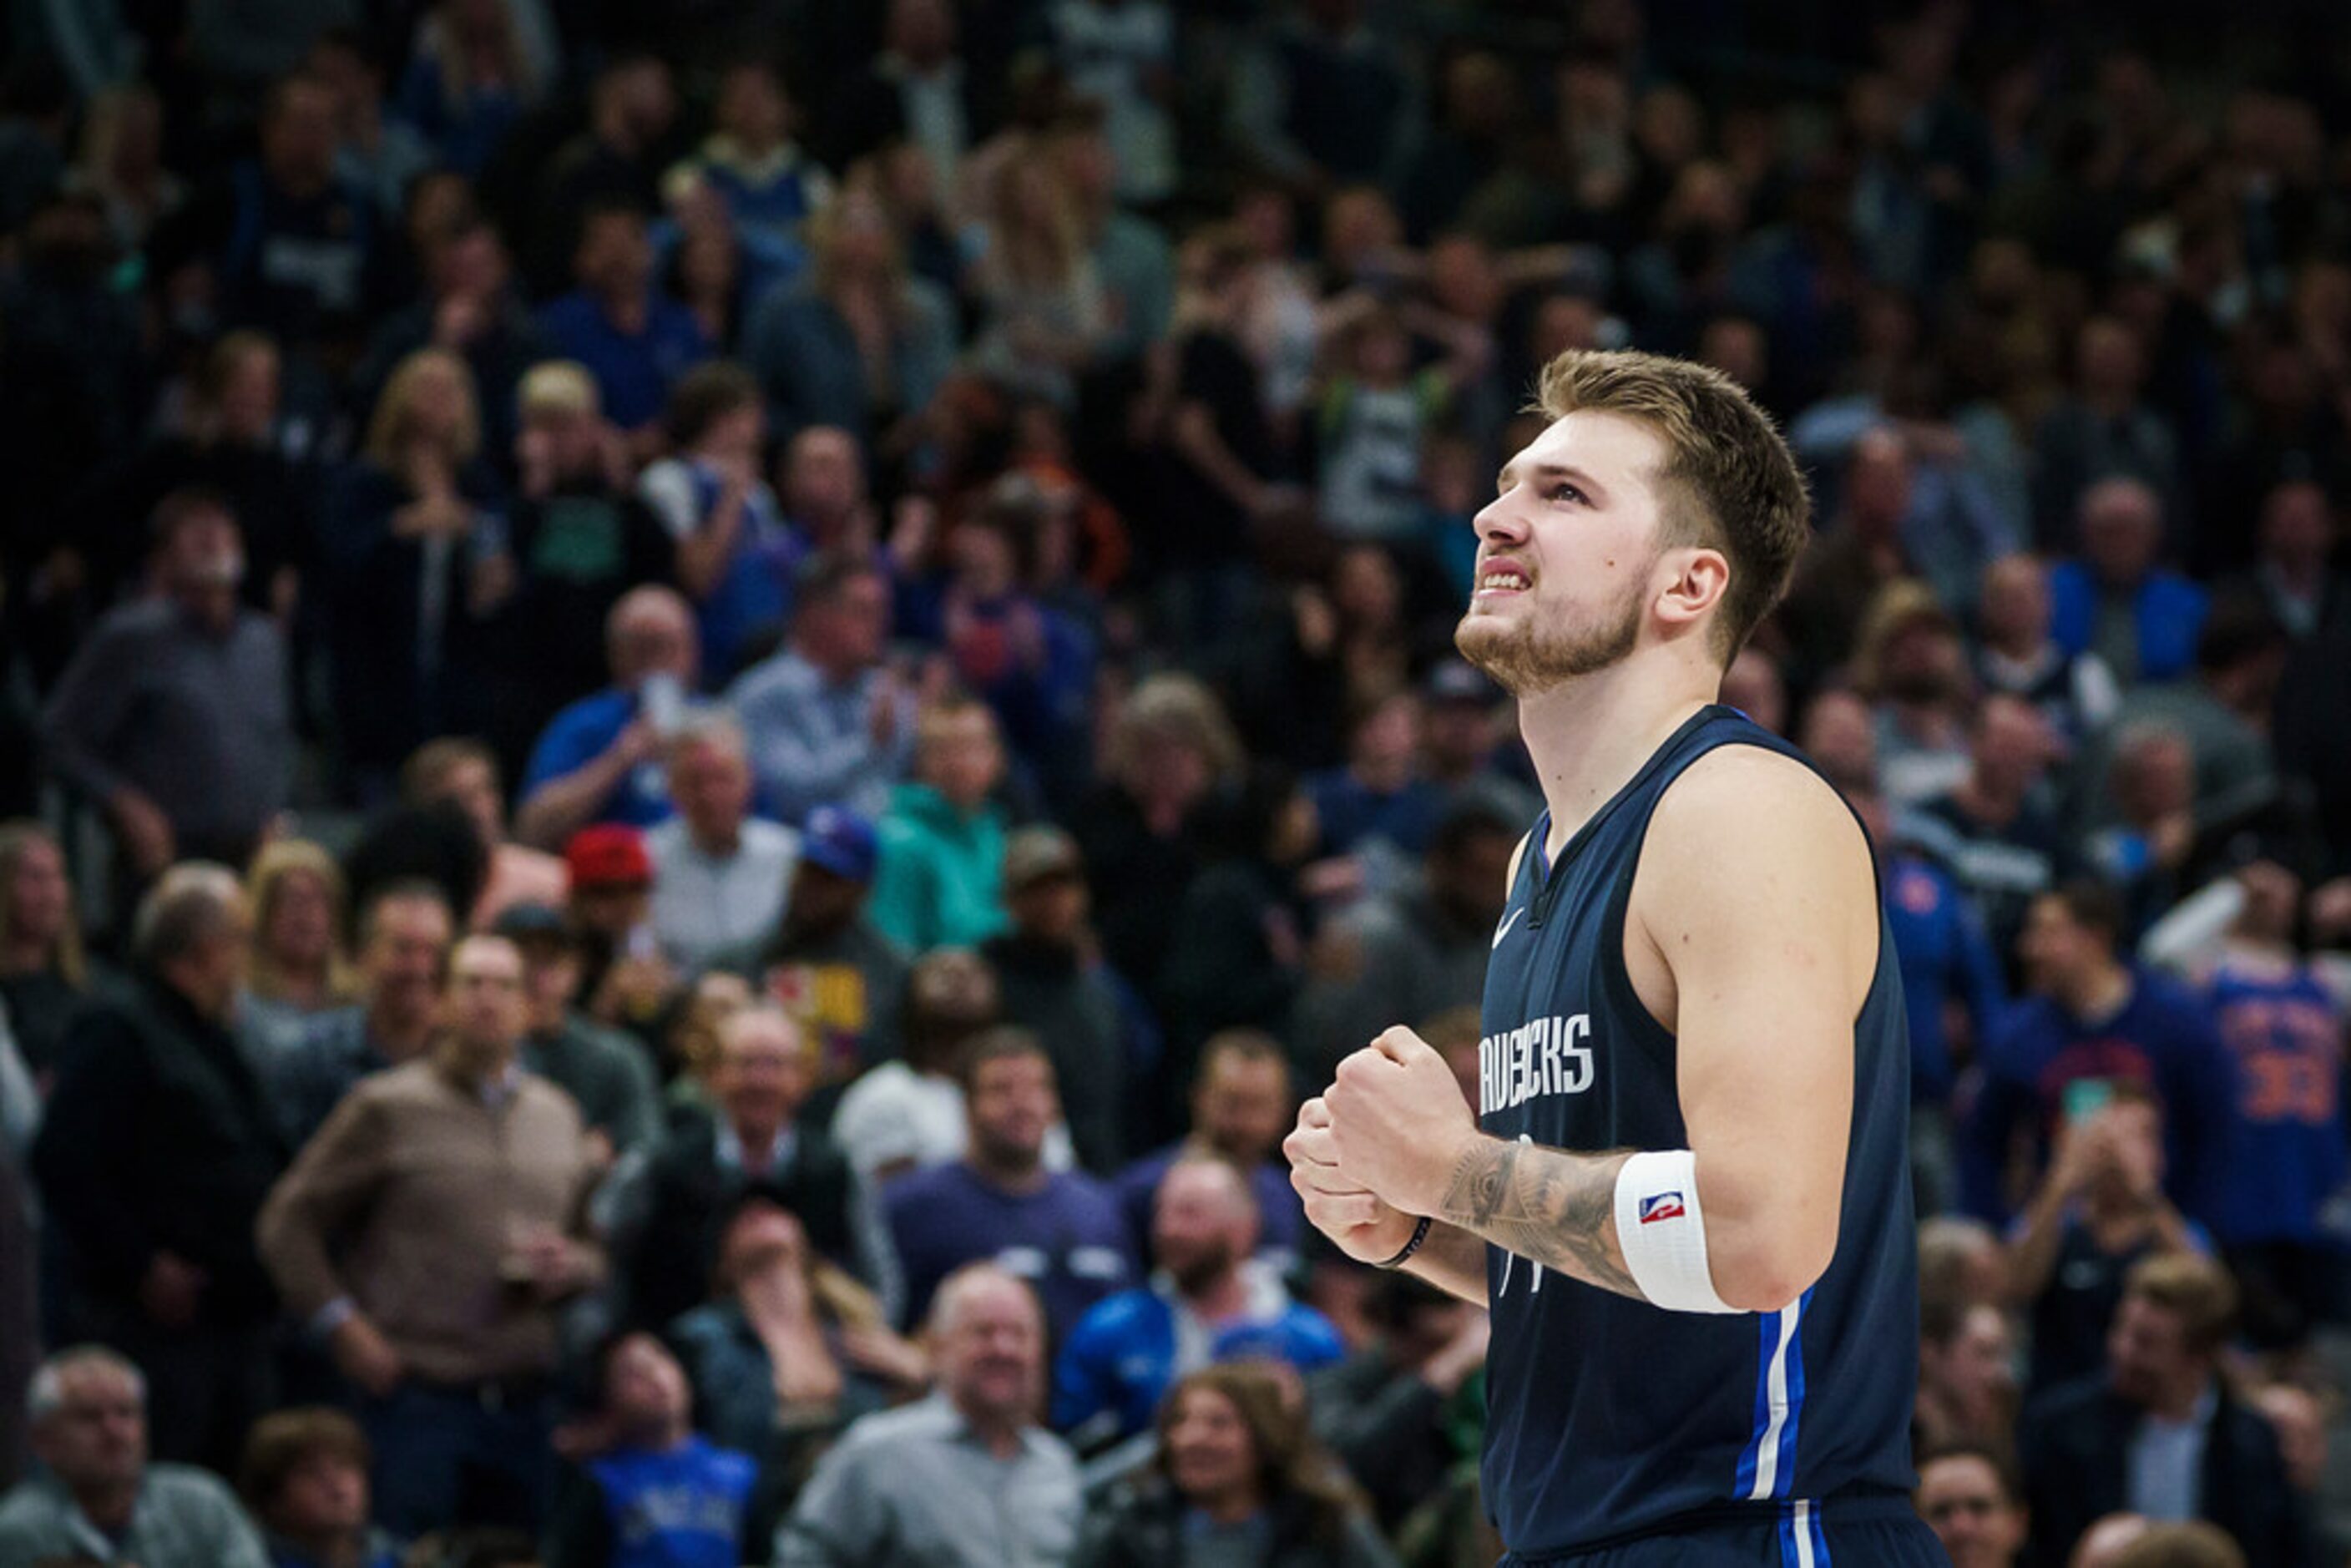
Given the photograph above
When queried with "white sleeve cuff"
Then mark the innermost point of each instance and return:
(1662, 1232)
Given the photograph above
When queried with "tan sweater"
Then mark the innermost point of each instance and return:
(407, 1200)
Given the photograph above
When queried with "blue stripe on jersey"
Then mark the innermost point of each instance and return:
(1766, 1468)
(1802, 1542)
(1795, 1395)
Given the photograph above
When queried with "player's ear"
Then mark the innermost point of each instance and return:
(1695, 578)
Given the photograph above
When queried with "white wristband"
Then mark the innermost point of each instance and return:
(1663, 1234)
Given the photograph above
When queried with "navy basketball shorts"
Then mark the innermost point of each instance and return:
(1875, 1533)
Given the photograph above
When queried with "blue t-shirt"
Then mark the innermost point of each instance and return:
(1065, 1237)
(634, 371)
(684, 1508)
(585, 731)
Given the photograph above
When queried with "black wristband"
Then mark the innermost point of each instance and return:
(1419, 1235)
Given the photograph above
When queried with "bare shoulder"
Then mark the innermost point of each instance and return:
(1746, 805)
(1750, 852)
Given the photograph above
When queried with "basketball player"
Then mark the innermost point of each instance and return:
(1685, 1196)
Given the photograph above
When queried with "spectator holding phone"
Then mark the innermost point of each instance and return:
(2100, 1210)
(599, 761)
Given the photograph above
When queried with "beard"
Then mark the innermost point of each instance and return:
(1529, 655)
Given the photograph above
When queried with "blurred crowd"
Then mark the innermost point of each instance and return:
(707, 711)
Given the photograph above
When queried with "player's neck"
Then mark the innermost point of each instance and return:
(1588, 736)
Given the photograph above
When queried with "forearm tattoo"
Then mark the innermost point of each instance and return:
(1546, 1205)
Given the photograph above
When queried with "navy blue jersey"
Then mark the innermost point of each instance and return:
(2285, 1158)
(1608, 1417)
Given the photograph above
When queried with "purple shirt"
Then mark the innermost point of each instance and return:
(1065, 1237)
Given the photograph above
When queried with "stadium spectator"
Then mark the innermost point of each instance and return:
(791, 1349)
(232, 440)
(282, 243)
(597, 761)
(843, 982)
(1970, 1497)
(942, 838)
(45, 971)
(608, 1077)
(736, 555)
(404, 935)
(173, 717)
(613, 164)
(1002, 1201)
(626, 978)
(1967, 1382)
(2103, 430)
(154, 1156)
(2093, 1018)
(2159, 1433)
(966, 1479)
(667, 1220)
(1237, 954)
(1241, 1106)
(2100, 1211)
(858, 344)
(2282, 1017)
(721, 874)
(1236, 1469)
(99, 1491)
(582, 538)
(636, 341)
(827, 722)
(2222, 709)
(1996, 831)
(304, 1478)
(1318, 100)
(428, 1232)
(2293, 569)
(470, 308)
(1387, 1412)
(1415, 950)
(1209, 1300)
(918, 89)
(471, 75)
(420, 571)
(660, 1493)
(1910, 666)
(2016, 655)
(464, 773)
(298, 970)
(1053, 983)
(2114, 601)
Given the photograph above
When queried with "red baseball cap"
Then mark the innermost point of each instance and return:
(610, 854)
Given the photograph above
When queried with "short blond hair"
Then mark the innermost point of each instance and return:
(1729, 481)
(558, 387)
(2193, 1288)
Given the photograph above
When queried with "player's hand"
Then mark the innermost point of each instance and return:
(1398, 1121)
(1357, 1222)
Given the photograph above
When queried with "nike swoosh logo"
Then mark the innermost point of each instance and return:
(1508, 921)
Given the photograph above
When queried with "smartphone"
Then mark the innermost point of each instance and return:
(663, 698)
(2086, 1097)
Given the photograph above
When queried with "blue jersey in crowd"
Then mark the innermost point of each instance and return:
(684, 1508)
(1945, 957)
(2161, 1037)
(1124, 1354)
(1611, 1419)
(2284, 1032)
